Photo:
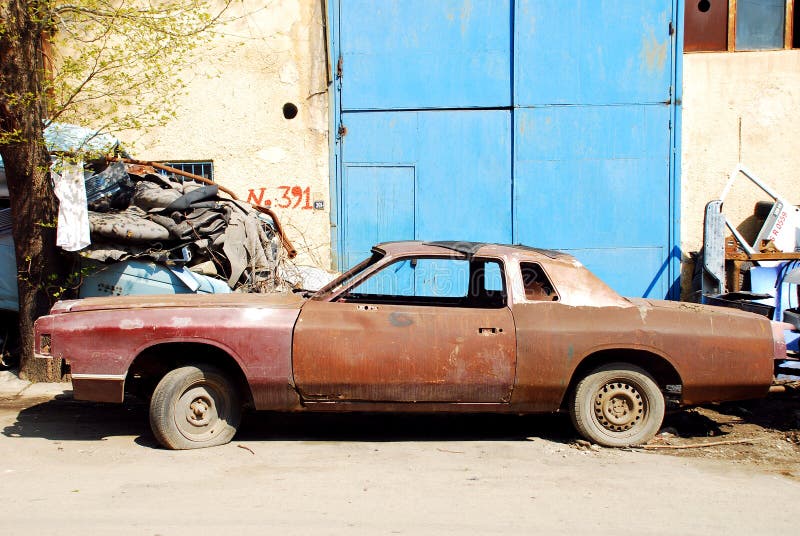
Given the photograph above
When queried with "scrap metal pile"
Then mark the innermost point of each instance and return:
(134, 212)
(759, 273)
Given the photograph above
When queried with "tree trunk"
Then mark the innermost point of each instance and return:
(33, 204)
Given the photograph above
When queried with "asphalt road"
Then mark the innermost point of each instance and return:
(70, 467)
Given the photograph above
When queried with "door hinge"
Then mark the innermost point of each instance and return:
(671, 28)
(339, 67)
(342, 130)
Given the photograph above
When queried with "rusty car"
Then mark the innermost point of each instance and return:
(415, 327)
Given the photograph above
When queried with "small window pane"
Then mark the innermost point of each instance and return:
(493, 277)
(760, 24)
(537, 285)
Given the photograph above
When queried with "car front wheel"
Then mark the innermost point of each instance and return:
(194, 407)
(617, 405)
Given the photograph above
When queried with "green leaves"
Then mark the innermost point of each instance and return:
(118, 62)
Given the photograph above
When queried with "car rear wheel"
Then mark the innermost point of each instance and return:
(617, 405)
(194, 407)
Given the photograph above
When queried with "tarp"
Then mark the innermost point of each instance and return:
(3, 183)
(66, 138)
(9, 298)
(63, 137)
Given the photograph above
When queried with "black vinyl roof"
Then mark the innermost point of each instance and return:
(471, 248)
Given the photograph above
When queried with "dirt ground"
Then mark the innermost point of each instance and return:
(69, 467)
(761, 433)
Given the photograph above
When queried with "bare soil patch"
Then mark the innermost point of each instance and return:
(762, 433)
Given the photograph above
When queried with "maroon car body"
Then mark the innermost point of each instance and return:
(527, 328)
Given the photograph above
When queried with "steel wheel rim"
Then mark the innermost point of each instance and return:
(619, 406)
(197, 412)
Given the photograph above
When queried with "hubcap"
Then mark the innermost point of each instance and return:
(197, 412)
(619, 406)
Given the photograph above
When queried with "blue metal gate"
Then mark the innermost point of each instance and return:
(542, 122)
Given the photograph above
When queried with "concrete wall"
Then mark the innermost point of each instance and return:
(759, 91)
(272, 54)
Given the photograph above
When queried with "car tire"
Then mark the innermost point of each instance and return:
(617, 405)
(194, 407)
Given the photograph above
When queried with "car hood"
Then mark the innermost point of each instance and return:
(165, 301)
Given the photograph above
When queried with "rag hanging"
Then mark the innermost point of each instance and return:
(73, 216)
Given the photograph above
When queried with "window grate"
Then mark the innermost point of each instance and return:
(203, 168)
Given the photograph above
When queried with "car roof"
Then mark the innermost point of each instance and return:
(470, 249)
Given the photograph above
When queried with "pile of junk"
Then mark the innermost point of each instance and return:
(150, 233)
(147, 228)
(755, 265)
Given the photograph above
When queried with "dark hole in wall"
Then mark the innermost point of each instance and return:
(289, 110)
(704, 5)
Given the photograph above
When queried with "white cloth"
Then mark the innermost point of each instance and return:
(73, 214)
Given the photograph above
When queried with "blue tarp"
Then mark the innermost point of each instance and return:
(66, 138)
(3, 184)
(9, 299)
(63, 137)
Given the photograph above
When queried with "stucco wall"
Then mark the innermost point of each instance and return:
(272, 54)
(760, 91)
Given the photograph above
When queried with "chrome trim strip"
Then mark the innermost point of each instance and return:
(108, 377)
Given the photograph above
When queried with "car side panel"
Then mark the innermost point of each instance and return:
(388, 353)
(718, 355)
(100, 345)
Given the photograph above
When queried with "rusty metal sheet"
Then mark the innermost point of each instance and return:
(404, 353)
(705, 25)
(100, 340)
(718, 354)
(98, 389)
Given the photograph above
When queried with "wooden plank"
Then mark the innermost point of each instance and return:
(780, 256)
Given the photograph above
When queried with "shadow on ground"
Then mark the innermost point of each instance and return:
(64, 419)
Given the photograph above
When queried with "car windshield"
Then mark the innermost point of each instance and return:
(348, 276)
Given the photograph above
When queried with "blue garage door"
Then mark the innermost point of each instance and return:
(537, 121)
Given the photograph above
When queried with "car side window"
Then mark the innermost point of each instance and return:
(537, 285)
(441, 281)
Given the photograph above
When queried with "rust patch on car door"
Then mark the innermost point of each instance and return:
(404, 353)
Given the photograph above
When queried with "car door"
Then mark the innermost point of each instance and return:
(418, 330)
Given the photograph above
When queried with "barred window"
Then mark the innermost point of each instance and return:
(203, 168)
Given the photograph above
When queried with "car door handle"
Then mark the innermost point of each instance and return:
(367, 307)
(490, 331)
